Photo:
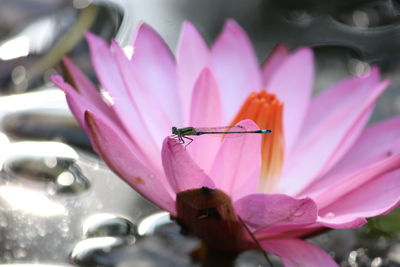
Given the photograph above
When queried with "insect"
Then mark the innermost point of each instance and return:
(182, 133)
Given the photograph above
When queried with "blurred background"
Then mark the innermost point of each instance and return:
(61, 206)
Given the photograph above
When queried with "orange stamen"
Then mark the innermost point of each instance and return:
(267, 112)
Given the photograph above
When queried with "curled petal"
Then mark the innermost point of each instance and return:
(298, 253)
(181, 171)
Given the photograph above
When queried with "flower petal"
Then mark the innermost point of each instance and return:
(85, 87)
(119, 154)
(267, 211)
(235, 67)
(193, 56)
(363, 156)
(77, 104)
(376, 143)
(110, 77)
(350, 93)
(278, 55)
(341, 184)
(316, 150)
(377, 197)
(182, 172)
(154, 117)
(206, 111)
(236, 161)
(292, 82)
(297, 253)
(155, 69)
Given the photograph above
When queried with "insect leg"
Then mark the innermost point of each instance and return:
(190, 140)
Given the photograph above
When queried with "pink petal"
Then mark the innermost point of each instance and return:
(363, 155)
(236, 161)
(378, 196)
(182, 172)
(192, 57)
(77, 104)
(110, 77)
(295, 253)
(154, 68)
(235, 67)
(376, 143)
(206, 111)
(278, 55)
(267, 211)
(313, 156)
(292, 82)
(85, 87)
(154, 117)
(119, 154)
(352, 92)
(341, 184)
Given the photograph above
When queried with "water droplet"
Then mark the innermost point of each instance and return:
(59, 175)
(330, 215)
(352, 259)
(50, 162)
(65, 179)
(107, 98)
(297, 211)
(92, 251)
(149, 224)
(104, 224)
(359, 68)
(376, 262)
(64, 225)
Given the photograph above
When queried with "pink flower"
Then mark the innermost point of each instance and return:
(320, 168)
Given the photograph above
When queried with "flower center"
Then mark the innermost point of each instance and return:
(267, 112)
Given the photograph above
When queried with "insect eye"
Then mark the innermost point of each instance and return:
(209, 213)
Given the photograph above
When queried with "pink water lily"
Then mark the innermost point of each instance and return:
(320, 168)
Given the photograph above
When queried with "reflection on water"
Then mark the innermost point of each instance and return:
(149, 224)
(93, 250)
(106, 224)
(60, 175)
(30, 201)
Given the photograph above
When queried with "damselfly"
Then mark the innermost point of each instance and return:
(182, 133)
